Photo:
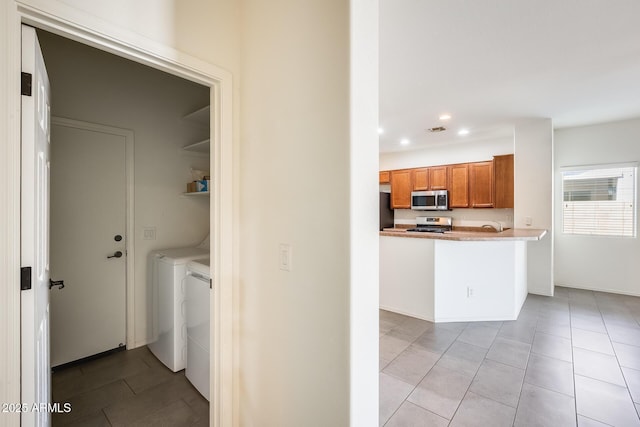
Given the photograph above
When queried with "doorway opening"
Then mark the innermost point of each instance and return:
(214, 80)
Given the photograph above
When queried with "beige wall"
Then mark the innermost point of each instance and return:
(294, 190)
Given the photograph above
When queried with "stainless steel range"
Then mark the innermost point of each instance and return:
(432, 224)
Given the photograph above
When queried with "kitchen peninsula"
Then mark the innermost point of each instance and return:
(458, 276)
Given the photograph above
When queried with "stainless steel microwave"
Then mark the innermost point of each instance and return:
(430, 200)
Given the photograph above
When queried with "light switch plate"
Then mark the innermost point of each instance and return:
(285, 257)
(149, 233)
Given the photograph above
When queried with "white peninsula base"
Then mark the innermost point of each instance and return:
(453, 281)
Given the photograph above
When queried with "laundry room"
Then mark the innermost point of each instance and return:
(130, 177)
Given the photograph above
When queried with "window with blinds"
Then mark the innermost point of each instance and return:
(599, 200)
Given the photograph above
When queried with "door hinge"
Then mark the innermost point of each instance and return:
(210, 283)
(25, 278)
(25, 85)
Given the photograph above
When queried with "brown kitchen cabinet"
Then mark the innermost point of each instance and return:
(458, 185)
(503, 181)
(481, 186)
(438, 178)
(384, 177)
(420, 179)
(401, 187)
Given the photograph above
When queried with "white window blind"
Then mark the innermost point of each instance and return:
(599, 200)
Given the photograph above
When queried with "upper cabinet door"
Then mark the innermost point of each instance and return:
(438, 178)
(503, 177)
(384, 177)
(459, 186)
(401, 189)
(481, 184)
(420, 179)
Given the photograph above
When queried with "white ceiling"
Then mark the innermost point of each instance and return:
(490, 63)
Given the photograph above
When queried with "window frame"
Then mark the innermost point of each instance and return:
(601, 166)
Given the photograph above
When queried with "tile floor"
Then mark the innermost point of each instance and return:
(573, 359)
(128, 388)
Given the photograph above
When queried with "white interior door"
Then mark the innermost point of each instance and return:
(35, 367)
(88, 213)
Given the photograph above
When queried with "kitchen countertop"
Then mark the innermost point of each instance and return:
(509, 234)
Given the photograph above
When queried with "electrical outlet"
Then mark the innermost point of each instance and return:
(528, 221)
(469, 291)
(285, 257)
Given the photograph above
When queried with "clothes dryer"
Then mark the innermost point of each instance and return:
(198, 298)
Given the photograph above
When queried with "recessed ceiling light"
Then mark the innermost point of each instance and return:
(405, 141)
(444, 117)
(463, 132)
(380, 131)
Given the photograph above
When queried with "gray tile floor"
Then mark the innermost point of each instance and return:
(573, 359)
(128, 388)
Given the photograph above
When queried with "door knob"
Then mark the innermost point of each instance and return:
(118, 254)
(53, 283)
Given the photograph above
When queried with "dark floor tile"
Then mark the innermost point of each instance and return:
(604, 402)
(499, 382)
(441, 391)
(154, 399)
(175, 414)
(476, 410)
(65, 374)
(149, 378)
(410, 415)
(96, 378)
(542, 407)
(96, 419)
(550, 373)
(93, 401)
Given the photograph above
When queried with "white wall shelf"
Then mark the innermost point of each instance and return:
(197, 194)
(203, 147)
(200, 116)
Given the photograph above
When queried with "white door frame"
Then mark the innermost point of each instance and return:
(223, 408)
(128, 136)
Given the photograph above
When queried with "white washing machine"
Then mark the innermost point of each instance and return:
(166, 272)
(198, 297)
